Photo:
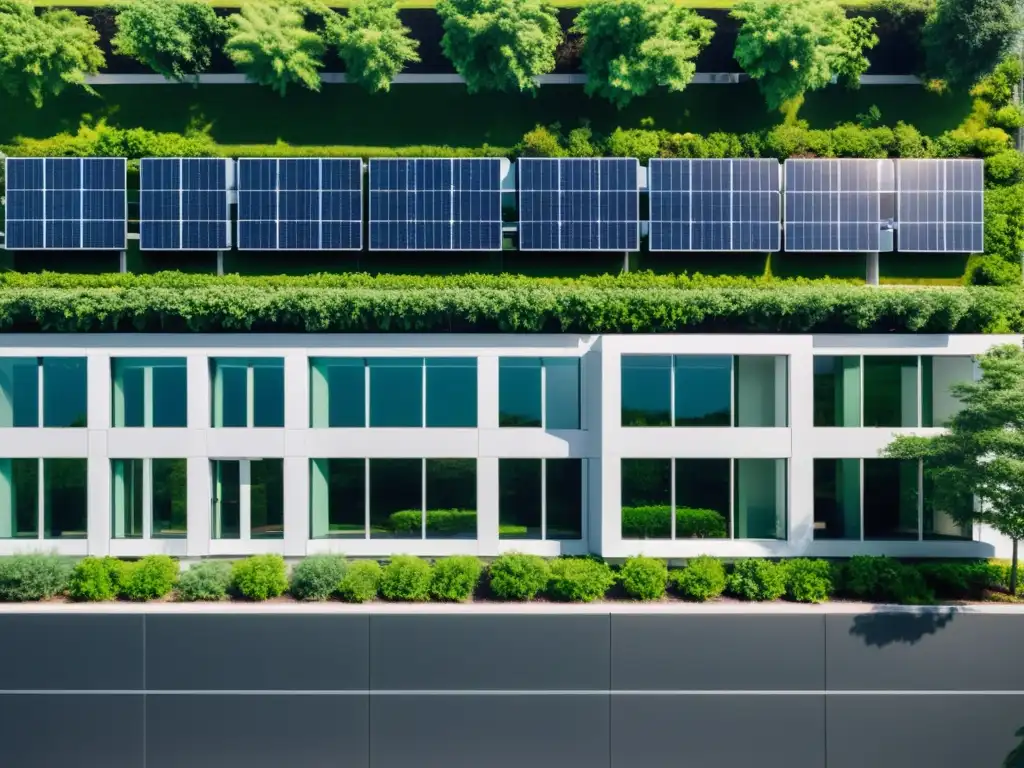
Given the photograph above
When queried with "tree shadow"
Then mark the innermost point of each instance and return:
(881, 628)
(1016, 757)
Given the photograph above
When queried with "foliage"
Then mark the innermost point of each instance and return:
(1006, 167)
(259, 577)
(361, 582)
(579, 579)
(808, 581)
(757, 579)
(450, 521)
(500, 45)
(965, 39)
(644, 578)
(794, 46)
(982, 453)
(95, 578)
(406, 578)
(268, 41)
(1004, 225)
(961, 580)
(317, 577)
(208, 580)
(541, 142)
(882, 578)
(174, 38)
(455, 578)
(631, 303)
(702, 579)
(373, 43)
(150, 578)
(632, 46)
(654, 522)
(41, 55)
(515, 576)
(33, 577)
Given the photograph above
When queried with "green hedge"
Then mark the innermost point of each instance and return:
(635, 303)
(656, 523)
(450, 521)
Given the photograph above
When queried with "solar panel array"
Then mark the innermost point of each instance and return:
(66, 203)
(714, 205)
(300, 204)
(940, 205)
(579, 204)
(444, 204)
(833, 205)
(184, 204)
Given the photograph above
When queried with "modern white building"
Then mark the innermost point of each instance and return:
(670, 445)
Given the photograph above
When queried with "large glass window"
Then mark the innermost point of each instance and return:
(539, 392)
(19, 391)
(65, 499)
(338, 392)
(338, 498)
(836, 391)
(703, 385)
(762, 390)
(64, 402)
(939, 522)
(248, 499)
(150, 392)
(702, 498)
(451, 498)
(837, 498)
(417, 498)
(19, 498)
(646, 498)
(396, 392)
(890, 391)
(891, 499)
(760, 506)
(153, 490)
(938, 375)
(451, 392)
(646, 391)
(396, 498)
(248, 392)
(540, 499)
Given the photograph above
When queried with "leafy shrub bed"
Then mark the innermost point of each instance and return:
(655, 523)
(633, 303)
(512, 576)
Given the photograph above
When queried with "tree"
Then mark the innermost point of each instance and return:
(965, 39)
(172, 37)
(268, 42)
(373, 43)
(982, 453)
(631, 46)
(500, 45)
(794, 46)
(41, 55)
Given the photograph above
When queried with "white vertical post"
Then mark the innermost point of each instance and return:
(487, 383)
(147, 396)
(487, 506)
(147, 495)
(245, 499)
(297, 505)
(250, 394)
(871, 276)
(200, 505)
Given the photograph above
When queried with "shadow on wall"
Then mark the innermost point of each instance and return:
(1016, 758)
(882, 628)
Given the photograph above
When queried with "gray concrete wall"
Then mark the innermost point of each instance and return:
(355, 690)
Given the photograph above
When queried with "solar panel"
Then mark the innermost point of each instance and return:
(300, 204)
(835, 205)
(714, 205)
(940, 205)
(66, 203)
(444, 204)
(183, 204)
(588, 204)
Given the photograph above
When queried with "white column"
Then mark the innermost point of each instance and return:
(98, 382)
(487, 394)
(296, 391)
(605, 500)
(800, 491)
(296, 505)
(7, 392)
(245, 499)
(98, 490)
(200, 496)
(198, 378)
(487, 505)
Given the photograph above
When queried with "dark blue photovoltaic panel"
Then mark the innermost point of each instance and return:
(300, 204)
(66, 203)
(940, 206)
(183, 204)
(833, 205)
(714, 205)
(435, 204)
(578, 204)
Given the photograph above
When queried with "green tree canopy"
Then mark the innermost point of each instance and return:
(965, 39)
(500, 45)
(268, 42)
(982, 453)
(42, 55)
(794, 46)
(172, 37)
(632, 46)
(373, 43)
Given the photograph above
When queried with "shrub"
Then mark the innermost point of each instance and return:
(808, 581)
(455, 578)
(150, 578)
(757, 579)
(208, 580)
(579, 579)
(260, 577)
(95, 578)
(644, 578)
(1005, 167)
(174, 38)
(33, 577)
(406, 578)
(450, 521)
(654, 522)
(965, 39)
(1009, 117)
(541, 142)
(373, 43)
(882, 578)
(361, 582)
(702, 579)
(515, 576)
(961, 581)
(637, 143)
(317, 577)
(992, 270)
(580, 143)
(907, 141)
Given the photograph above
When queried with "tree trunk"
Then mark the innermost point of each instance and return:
(1013, 571)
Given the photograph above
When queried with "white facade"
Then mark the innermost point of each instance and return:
(602, 443)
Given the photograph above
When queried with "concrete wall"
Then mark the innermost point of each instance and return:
(584, 689)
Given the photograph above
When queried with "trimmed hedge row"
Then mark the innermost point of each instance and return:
(514, 576)
(480, 304)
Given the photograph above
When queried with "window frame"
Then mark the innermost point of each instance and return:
(584, 466)
(544, 363)
(118, 400)
(244, 500)
(249, 364)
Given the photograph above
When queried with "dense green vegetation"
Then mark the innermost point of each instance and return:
(174, 38)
